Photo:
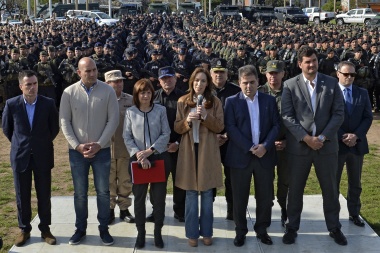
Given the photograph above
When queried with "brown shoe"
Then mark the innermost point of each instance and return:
(49, 238)
(22, 238)
(207, 241)
(193, 242)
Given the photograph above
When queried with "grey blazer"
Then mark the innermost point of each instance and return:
(135, 130)
(298, 115)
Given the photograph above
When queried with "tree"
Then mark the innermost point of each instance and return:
(329, 6)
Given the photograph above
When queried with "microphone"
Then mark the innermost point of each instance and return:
(199, 103)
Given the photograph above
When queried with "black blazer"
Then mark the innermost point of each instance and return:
(37, 140)
(358, 122)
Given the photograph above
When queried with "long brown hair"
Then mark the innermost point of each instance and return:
(207, 94)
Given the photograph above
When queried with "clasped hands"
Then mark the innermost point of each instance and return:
(349, 139)
(88, 150)
(142, 158)
(195, 115)
(258, 150)
(313, 142)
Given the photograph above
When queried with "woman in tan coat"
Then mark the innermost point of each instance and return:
(199, 166)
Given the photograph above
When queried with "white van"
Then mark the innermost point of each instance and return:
(100, 17)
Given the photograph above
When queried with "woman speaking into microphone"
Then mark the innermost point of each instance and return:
(199, 118)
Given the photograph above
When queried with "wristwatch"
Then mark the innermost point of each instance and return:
(153, 149)
(322, 138)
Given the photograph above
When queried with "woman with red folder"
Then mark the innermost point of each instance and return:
(146, 135)
(199, 118)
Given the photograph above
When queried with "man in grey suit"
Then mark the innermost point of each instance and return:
(312, 111)
(352, 138)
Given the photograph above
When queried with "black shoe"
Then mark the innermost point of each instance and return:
(338, 236)
(111, 219)
(106, 237)
(239, 240)
(289, 236)
(265, 238)
(77, 237)
(284, 216)
(126, 216)
(150, 218)
(179, 218)
(357, 221)
(158, 242)
(140, 240)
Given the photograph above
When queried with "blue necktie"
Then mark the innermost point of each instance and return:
(347, 99)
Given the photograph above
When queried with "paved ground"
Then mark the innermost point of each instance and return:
(312, 237)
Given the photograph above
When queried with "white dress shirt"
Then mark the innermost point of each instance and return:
(313, 97)
(254, 115)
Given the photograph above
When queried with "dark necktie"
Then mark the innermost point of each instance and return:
(347, 99)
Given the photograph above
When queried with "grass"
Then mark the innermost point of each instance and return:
(62, 186)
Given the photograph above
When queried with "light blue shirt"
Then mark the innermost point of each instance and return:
(88, 90)
(30, 108)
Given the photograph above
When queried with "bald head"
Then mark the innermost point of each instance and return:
(87, 71)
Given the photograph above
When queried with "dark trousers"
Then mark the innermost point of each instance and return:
(157, 194)
(23, 188)
(282, 178)
(227, 185)
(354, 164)
(374, 94)
(241, 182)
(326, 167)
(179, 195)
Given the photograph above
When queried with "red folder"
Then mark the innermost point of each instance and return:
(155, 174)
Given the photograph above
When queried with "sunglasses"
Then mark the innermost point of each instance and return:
(348, 74)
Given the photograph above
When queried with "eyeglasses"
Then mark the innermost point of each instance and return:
(348, 74)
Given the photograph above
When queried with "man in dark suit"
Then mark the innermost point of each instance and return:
(30, 122)
(312, 111)
(352, 138)
(252, 123)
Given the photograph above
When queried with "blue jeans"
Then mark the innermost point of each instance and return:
(201, 226)
(80, 166)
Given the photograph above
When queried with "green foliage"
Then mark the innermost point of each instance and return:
(329, 6)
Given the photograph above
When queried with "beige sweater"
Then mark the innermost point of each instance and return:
(89, 118)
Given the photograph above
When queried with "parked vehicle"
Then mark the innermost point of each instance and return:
(375, 21)
(100, 17)
(262, 14)
(229, 11)
(12, 22)
(159, 7)
(317, 15)
(189, 7)
(361, 15)
(130, 8)
(291, 14)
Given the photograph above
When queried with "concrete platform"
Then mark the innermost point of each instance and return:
(313, 236)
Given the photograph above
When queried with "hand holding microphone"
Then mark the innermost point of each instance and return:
(201, 111)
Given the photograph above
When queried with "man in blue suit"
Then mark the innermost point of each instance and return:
(30, 122)
(353, 144)
(252, 123)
